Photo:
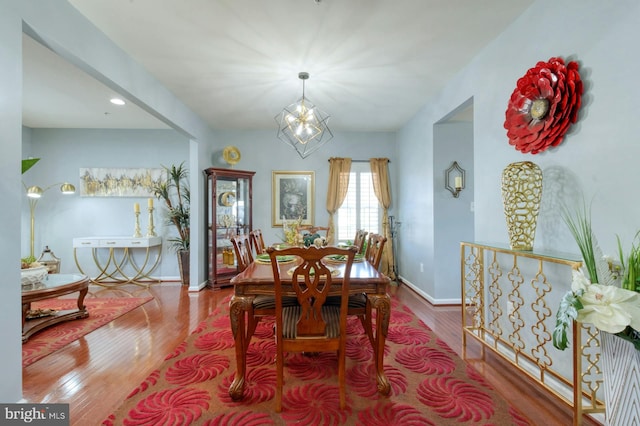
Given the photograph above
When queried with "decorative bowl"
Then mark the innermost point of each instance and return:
(33, 275)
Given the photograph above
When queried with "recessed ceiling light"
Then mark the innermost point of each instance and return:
(117, 101)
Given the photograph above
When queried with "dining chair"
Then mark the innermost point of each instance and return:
(312, 229)
(257, 241)
(243, 251)
(358, 304)
(375, 246)
(358, 241)
(312, 325)
(263, 305)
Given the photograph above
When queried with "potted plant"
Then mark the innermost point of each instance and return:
(606, 295)
(175, 193)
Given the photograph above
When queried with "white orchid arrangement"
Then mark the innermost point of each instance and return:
(595, 297)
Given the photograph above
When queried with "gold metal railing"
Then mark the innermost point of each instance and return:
(508, 306)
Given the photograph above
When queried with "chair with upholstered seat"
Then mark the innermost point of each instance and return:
(358, 241)
(375, 246)
(257, 241)
(262, 306)
(312, 229)
(359, 303)
(306, 231)
(313, 325)
(241, 246)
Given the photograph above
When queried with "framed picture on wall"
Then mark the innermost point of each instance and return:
(293, 195)
(119, 182)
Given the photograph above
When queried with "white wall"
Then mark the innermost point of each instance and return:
(60, 218)
(263, 153)
(597, 158)
(10, 189)
(57, 24)
(453, 217)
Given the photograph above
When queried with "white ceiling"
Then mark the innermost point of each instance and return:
(372, 63)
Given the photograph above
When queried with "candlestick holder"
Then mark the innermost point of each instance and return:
(151, 232)
(136, 231)
(459, 179)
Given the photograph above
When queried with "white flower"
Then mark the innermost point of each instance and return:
(579, 281)
(609, 308)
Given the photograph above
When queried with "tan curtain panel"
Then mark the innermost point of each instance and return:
(382, 189)
(339, 169)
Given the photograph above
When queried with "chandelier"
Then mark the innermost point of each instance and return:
(302, 125)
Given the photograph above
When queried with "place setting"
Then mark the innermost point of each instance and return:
(264, 259)
(341, 258)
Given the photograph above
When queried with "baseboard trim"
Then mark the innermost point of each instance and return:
(428, 297)
(199, 287)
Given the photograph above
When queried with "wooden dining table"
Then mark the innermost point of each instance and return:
(257, 280)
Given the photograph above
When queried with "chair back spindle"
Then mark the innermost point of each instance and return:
(243, 251)
(374, 249)
(358, 241)
(257, 241)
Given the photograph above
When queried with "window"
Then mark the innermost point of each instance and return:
(360, 209)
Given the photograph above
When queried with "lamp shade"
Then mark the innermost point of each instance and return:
(67, 188)
(34, 192)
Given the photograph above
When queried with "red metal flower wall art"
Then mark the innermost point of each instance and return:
(543, 105)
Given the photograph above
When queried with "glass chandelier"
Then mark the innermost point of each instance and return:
(302, 125)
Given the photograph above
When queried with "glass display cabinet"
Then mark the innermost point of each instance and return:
(229, 212)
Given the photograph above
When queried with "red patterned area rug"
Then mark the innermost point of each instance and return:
(431, 385)
(101, 312)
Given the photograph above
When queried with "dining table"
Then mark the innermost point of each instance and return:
(257, 280)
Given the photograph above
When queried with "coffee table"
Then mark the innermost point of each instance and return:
(52, 286)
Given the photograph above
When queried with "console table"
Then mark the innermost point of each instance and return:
(509, 299)
(52, 286)
(117, 265)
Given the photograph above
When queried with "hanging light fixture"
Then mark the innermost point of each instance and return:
(302, 125)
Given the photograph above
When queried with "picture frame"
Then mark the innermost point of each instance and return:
(119, 182)
(293, 197)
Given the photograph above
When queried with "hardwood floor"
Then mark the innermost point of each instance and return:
(95, 373)
(446, 322)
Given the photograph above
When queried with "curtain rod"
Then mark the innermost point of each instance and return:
(361, 161)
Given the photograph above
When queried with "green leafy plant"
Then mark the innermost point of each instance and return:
(630, 264)
(175, 193)
(595, 297)
(579, 224)
(28, 163)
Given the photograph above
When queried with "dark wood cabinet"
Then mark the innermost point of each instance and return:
(228, 201)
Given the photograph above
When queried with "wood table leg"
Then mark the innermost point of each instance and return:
(382, 305)
(81, 295)
(238, 309)
(25, 310)
(37, 324)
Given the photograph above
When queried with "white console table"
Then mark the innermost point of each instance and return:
(117, 265)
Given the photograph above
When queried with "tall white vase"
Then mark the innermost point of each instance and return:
(621, 373)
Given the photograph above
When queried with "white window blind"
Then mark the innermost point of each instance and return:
(360, 209)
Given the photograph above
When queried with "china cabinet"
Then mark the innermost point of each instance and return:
(228, 204)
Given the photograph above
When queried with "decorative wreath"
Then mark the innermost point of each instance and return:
(543, 105)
